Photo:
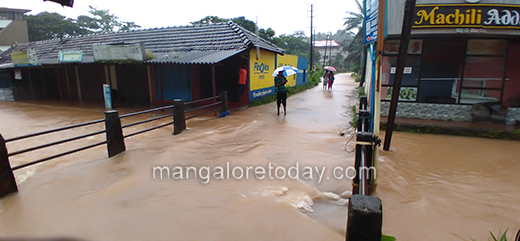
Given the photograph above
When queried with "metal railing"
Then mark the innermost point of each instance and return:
(113, 131)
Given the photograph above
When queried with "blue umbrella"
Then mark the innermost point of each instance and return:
(287, 71)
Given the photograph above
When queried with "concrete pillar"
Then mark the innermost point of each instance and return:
(365, 218)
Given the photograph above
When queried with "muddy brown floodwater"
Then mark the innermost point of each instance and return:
(432, 187)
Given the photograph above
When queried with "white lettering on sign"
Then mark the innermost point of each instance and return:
(407, 70)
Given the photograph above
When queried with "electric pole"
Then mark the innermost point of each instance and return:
(311, 52)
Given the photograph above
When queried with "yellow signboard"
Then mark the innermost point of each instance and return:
(25, 57)
(260, 70)
(288, 60)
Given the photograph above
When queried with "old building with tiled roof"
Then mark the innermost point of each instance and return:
(187, 62)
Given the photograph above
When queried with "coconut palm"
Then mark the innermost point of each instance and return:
(355, 19)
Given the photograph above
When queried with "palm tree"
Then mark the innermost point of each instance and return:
(355, 50)
(355, 20)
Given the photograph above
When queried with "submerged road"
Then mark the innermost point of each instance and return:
(89, 196)
(433, 187)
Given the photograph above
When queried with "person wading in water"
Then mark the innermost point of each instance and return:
(281, 92)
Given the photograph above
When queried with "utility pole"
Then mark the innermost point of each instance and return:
(330, 48)
(401, 59)
(311, 55)
(325, 55)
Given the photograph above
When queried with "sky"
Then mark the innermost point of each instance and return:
(283, 16)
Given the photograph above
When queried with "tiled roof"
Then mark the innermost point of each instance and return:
(198, 44)
(194, 57)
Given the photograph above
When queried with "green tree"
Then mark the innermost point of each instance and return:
(244, 23)
(295, 45)
(51, 25)
(210, 19)
(355, 21)
(103, 21)
(338, 61)
(267, 34)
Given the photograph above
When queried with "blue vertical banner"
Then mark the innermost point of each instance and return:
(371, 16)
(108, 97)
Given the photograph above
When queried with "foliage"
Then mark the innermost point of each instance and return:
(267, 34)
(355, 21)
(387, 238)
(210, 19)
(360, 91)
(499, 237)
(295, 45)
(354, 121)
(244, 23)
(51, 25)
(338, 61)
(355, 50)
(103, 21)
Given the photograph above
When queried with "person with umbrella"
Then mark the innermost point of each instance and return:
(325, 79)
(279, 75)
(330, 79)
(281, 92)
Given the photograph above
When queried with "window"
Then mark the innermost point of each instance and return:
(483, 71)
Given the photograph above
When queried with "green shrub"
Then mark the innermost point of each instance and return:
(387, 238)
(500, 237)
(353, 122)
(313, 80)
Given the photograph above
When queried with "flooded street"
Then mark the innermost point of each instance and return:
(432, 187)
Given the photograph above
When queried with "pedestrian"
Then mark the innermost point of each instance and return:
(281, 92)
(331, 80)
(325, 79)
(242, 80)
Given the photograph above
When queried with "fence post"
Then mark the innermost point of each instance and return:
(7, 181)
(363, 103)
(365, 218)
(179, 119)
(224, 105)
(364, 120)
(114, 132)
(362, 139)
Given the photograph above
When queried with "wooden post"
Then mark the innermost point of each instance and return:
(213, 83)
(377, 87)
(179, 120)
(224, 106)
(161, 83)
(401, 60)
(30, 83)
(7, 180)
(59, 84)
(114, 133)
(43, 84)
(78, 85)
(68, 84)
(149, 70)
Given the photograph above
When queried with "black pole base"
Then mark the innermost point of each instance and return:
(365, 218)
